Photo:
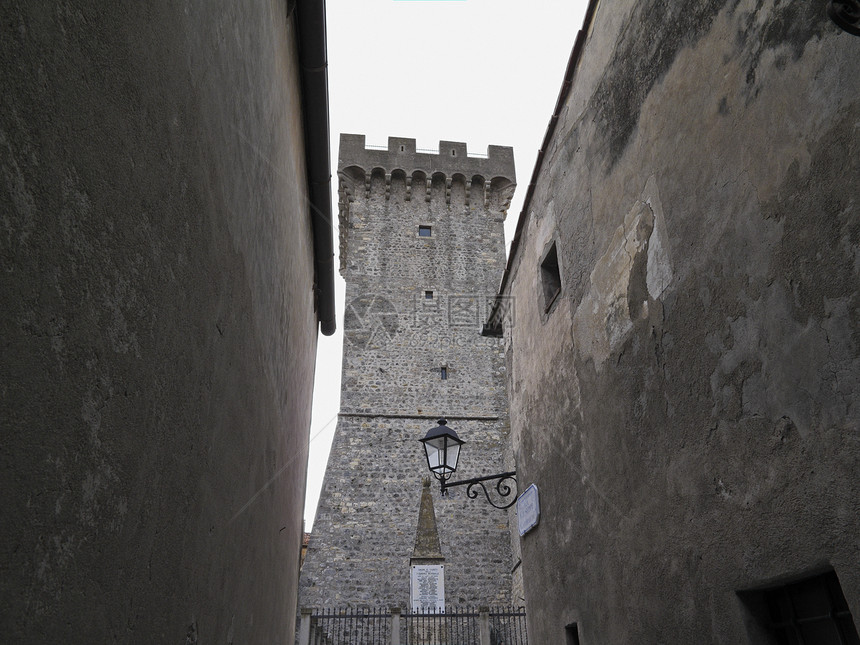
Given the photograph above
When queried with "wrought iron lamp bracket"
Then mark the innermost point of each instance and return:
(846, 14)
(502, 487)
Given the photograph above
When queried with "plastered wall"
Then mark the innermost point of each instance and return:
(157, 322)
(688, 406)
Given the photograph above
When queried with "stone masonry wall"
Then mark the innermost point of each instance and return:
(395, 343)
(689, 406)
(157, 325)
(364, 530)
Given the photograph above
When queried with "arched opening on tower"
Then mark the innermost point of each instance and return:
(477, 196)
(458, 192)
(398, 185)
(438, 191)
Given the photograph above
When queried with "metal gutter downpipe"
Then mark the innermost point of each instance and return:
(310, 16)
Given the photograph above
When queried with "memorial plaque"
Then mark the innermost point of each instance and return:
(427, 587)
(528, 510)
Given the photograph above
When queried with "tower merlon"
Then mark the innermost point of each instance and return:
(402, 154)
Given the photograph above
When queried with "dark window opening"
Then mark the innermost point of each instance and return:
(550, 278)
(428, 295)
(402, 148)
(424, 231)
(493, 330)
(809, 612)
(444, 371)
(571, 633)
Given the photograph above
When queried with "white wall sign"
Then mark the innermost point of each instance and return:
(528, 509)
(427, 587)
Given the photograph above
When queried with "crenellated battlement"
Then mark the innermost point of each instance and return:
(451, 158)
(447, 178)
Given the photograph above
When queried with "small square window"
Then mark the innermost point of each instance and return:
(550, 278)
(812, 611)
(444, 372)
(428, 295)
(424, 231)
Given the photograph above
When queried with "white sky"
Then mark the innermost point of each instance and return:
(479, 71)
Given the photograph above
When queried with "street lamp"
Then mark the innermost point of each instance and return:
(442, 449)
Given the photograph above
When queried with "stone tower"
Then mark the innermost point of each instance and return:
(422, 252)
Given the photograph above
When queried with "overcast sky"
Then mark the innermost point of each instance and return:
(479, 71)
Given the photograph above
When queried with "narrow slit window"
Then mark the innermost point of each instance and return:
(444, 372)
(550, 278)
(571, 633)
(424, 231)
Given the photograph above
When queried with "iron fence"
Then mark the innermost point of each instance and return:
(352, 626)
(508, 626)
(456, 626)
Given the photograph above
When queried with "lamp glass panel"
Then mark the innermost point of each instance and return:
(453, 456)
(434, 455)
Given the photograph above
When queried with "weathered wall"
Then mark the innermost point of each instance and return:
(395, 343)
(689, 406)
(157, 323)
